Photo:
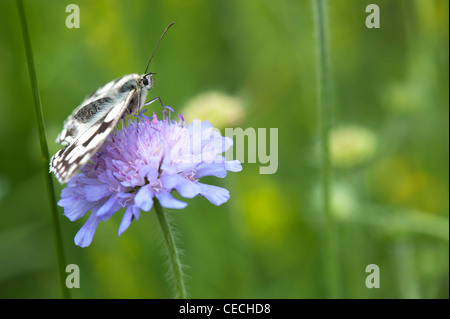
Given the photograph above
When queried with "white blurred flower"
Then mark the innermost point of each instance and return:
(343, 201)
(218, 108)
(351, 145)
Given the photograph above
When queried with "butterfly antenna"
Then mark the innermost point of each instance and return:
(157, 46)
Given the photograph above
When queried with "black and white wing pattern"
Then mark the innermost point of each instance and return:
(95, 106)
(78, 151)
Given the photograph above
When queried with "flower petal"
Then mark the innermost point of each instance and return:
(169, 180)
(187, 188)
(168, 201)
(84, 236)
(227, 143)
(233, 166)
(149, 171)
(199, 125)
(184, 187)
(132, 212)
(74, 203)
(108, 208)
(143, 198)
(216, 195)
(211, 169)
(94, 193)
(75, 208)
(218, 144)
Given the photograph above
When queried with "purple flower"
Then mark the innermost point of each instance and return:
(147, 159)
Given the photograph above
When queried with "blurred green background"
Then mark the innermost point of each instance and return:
(389, 146)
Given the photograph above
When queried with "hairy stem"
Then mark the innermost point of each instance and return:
(176, 268)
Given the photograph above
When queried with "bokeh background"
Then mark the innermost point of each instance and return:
(247, 64)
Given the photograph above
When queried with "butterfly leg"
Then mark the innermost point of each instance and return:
(153, 100)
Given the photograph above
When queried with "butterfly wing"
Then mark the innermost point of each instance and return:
(93, 107)
(68, 160)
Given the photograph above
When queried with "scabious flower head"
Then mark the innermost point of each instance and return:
(147, 159)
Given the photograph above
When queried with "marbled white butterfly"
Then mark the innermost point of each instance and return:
(92, 121)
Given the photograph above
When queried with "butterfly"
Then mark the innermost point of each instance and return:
(92, 121)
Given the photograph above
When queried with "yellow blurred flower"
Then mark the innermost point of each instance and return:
(220, 109)
(351, 145)
(401, 182)
(266, 212)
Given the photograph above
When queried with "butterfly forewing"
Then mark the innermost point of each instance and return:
(78, 152)
(95, 106)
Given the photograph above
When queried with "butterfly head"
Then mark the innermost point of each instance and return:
(147, 80)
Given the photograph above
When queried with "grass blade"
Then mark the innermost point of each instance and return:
(331, 253)
(44, 150)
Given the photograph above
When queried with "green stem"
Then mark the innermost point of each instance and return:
(44, 151)
(331, 253)
(172, 251)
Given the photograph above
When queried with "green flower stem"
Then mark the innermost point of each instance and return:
(44, 151)
(172, 252)
(331, 251)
